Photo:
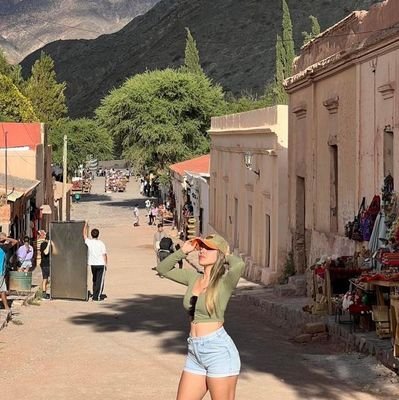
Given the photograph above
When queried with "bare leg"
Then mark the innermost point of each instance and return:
(191, 387)
(222, 388)
(44, 286)
(4, 300)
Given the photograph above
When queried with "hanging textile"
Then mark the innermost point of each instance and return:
(379, 232)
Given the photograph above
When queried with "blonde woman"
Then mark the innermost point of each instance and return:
(212, 362)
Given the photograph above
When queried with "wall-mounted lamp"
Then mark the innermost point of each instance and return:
(248, 163)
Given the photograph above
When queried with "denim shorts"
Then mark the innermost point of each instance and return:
(214, 355)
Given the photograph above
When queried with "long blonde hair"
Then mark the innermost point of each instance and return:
(218, 270)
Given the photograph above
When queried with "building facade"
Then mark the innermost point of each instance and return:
(343, 124)
(25, 156)
(190, 185)
(249, 188)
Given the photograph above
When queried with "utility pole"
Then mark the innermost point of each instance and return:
(64, 178)
(6, 163)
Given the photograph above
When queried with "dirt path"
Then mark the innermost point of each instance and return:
(132, 345)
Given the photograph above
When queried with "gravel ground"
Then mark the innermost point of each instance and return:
(132, 345)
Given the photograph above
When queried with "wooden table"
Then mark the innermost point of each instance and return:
(394, 310)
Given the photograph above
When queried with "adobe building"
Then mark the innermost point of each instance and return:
(190, 184)
(249, 188)
(25, 159)
(343, 128)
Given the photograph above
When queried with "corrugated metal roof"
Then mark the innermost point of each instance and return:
(19, 184)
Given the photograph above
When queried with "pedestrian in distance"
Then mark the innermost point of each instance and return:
(97, 259)
(45, 265)
(5, 244)
(166, 247)
(213, 362)
(158, 235)
(136, 215)
(147, 207)
(152, 214)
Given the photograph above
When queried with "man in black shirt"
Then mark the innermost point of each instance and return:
(45, 265)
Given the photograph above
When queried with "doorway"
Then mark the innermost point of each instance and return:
(334, 188)
(235, 238)
(267, 240)
(300, 245)
(388, 151)
(249, 244)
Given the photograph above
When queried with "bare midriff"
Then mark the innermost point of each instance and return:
(204, 328)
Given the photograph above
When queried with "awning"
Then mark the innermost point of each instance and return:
(46, 209)
(17, 187)
(14, 196)
(58, 190)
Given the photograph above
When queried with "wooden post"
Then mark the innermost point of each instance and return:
(64, 178)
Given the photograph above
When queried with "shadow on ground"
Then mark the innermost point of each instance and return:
(107, 200)
(88, 197)
(129, 203)
(263, 348)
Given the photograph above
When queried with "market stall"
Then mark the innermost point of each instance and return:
(363, 289)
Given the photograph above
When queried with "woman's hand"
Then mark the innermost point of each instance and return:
(188, 247)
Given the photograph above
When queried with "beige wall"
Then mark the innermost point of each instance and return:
(34, 164)
(236, 192)
(345, 101)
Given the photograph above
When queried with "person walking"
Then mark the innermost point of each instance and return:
(136, 215)
(147, 207)
(5, 244)
(97, 259)
(213, 362)
(45, 246)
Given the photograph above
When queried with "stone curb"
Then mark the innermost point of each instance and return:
(282, 315)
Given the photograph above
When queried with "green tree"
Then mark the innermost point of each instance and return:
(285, 53)
(191, 56)
(85, 139)
(288, 41)
(11, 71)
(45, 93)
(275, 93)
(246, 102)
(314, 30)
(14, 106)
(161, 117)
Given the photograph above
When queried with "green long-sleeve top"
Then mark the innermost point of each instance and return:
(188, 278)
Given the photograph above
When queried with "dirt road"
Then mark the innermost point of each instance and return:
(132, 345)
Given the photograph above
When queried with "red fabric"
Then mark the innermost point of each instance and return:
(358, 308)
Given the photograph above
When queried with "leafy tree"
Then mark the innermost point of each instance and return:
(11, 71)
(285, 53)
(14, 106)
(288, 41)
(161, 117)
(85, 139)
(246, 102)
(314, 31)
(46, 95)
(191, 56)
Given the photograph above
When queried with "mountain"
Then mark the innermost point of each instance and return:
(236, 41)
(27, 25)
